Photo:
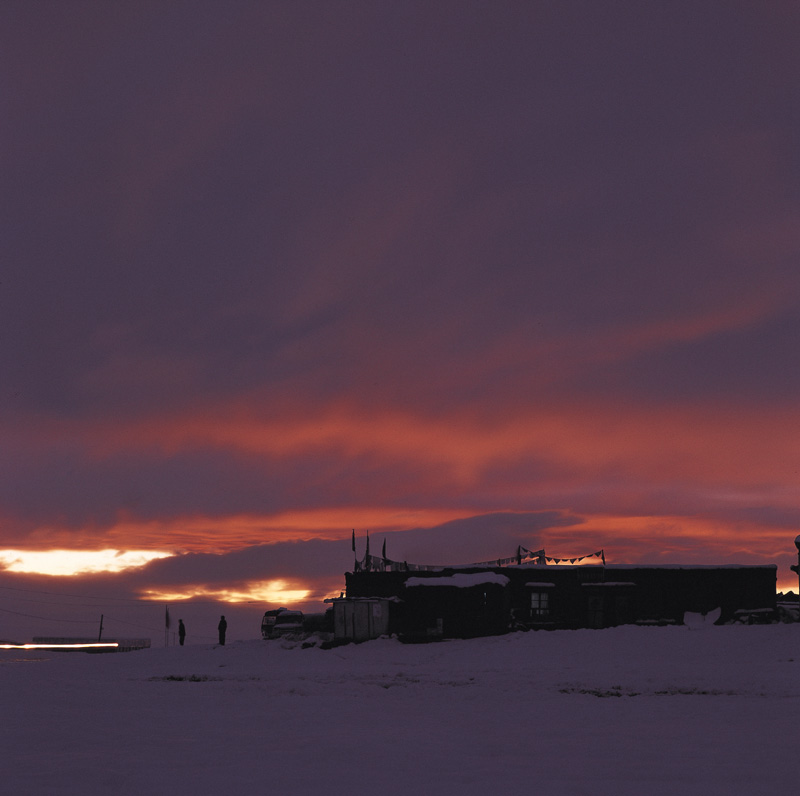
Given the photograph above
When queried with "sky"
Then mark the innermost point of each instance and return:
(462, 275)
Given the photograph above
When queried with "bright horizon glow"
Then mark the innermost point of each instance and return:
(93, 645)
(271, 591)
(76, 562)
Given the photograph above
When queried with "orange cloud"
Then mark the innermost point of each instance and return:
(731, 455)
(716, 446)
(628, 538)
(224, 533)
(602, 460)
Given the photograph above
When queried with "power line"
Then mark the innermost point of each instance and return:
(50, 619)
(133, 624)
(61, 603)
(72, 594)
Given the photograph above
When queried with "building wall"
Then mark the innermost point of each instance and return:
(480, 610)
(578, 596)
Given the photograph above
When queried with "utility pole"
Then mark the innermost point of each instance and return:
(796, 568)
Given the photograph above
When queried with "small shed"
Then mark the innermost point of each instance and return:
(361, 618)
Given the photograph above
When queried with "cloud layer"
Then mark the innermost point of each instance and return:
(274, 272)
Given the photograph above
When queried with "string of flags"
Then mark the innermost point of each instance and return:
(373, 563)
(599, 554)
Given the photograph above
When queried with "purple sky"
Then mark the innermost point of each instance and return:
(466, 275)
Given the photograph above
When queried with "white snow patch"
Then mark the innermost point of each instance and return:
(695, 621)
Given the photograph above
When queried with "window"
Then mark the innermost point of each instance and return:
(540, 605)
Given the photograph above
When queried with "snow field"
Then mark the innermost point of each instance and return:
(620, 711)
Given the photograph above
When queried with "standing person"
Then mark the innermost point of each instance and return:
(181, 631)
(222, 627)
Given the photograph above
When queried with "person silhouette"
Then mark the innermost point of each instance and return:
(222, 627)
(181, 631)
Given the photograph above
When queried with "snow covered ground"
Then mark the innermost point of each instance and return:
(660, 710)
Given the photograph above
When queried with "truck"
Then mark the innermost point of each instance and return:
(281, 622)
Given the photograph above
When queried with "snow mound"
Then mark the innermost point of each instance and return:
(696, 621)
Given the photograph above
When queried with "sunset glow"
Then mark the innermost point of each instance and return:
(274, 591)
(453, 283)
(75, 562)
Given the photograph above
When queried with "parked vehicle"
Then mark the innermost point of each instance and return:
(280, 622)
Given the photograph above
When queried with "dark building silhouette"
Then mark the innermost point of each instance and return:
(446, 602)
